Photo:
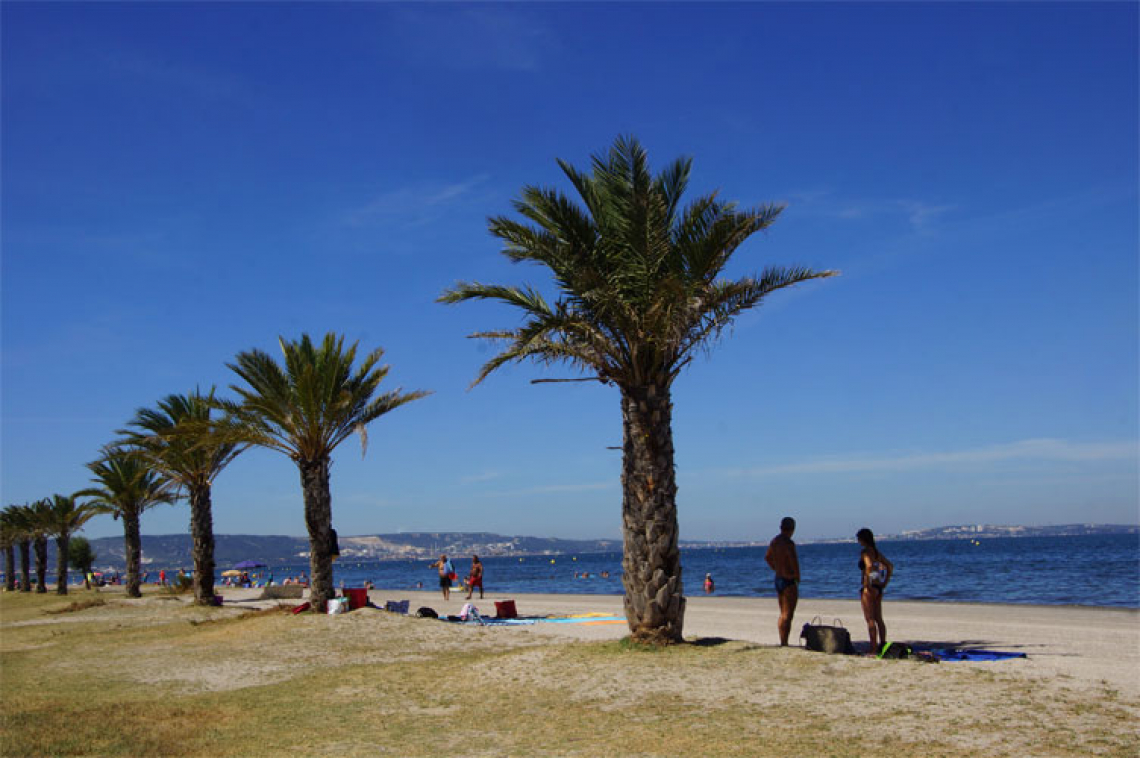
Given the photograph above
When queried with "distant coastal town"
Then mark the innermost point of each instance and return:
(175, 549)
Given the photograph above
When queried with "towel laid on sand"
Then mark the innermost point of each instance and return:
(973, 654)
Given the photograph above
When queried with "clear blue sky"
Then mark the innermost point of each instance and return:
(185, 181)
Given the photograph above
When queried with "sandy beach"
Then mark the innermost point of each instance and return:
(1089, 647)
(104, 675)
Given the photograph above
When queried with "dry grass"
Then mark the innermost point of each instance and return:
(155, 678)
(79, 605)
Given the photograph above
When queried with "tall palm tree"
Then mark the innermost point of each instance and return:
(38, 524)
(175, 438)
(305, 409)
(64, 516)
(640, 290)
(10, 533)
(19, 522)
(128, 486)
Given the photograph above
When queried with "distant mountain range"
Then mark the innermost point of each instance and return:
(975, 531)
(172, 550)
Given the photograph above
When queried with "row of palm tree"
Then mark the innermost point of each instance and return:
(303, 408)
(640, 290)
(28, 528)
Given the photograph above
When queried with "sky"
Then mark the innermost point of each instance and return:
(182, 182)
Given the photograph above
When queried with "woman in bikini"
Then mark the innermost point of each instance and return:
(877, 572)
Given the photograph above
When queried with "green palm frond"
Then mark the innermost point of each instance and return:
(66, 515)
(637, 276)
(309, 405)
(126, 483)
(16, 523)
(178, 437)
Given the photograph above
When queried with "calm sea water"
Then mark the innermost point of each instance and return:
(1099, 570)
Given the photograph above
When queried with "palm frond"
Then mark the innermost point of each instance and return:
(308, 406)
(637, 277)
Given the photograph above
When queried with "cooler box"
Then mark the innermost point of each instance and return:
(505, 609)
(357, 598)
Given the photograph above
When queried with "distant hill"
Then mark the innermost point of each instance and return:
(173, 550)
(974, 531)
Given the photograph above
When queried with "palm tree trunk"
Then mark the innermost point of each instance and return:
(25, 563)
(654, 595)
(132, 543)
(40, 547)
(318, 520)
(61, 543)
(202, 537)
(10, 568)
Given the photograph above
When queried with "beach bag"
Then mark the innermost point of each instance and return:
(505, 609)
(397, 606)
(338, 605)
(827, 639)
(426, 613)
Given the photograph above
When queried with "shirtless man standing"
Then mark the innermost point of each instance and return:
(781, 556)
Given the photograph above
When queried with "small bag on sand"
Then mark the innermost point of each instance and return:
(895, 650)
(827, 639)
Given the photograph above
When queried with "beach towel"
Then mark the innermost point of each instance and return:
(973, 654)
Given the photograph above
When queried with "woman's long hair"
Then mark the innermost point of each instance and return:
(864, 535)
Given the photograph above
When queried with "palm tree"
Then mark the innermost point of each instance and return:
(38, 524)
(304, 409)
(128, 486)
(175, 438)
(9, 537)
(18, 518)
(63, 517)
(640, 290)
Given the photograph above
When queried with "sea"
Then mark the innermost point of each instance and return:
(1089, 570)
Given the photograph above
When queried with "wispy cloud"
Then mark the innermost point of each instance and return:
(480, 37)
(919, 215)
(1037, 450)
(413, 205)
(485, 476)
(556, 488)
(196, 82)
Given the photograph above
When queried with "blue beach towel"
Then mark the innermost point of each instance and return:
(973, 654)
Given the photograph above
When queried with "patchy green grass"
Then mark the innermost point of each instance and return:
(156, 678)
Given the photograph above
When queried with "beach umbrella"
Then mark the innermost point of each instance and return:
(249, 565)
(231, 572)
